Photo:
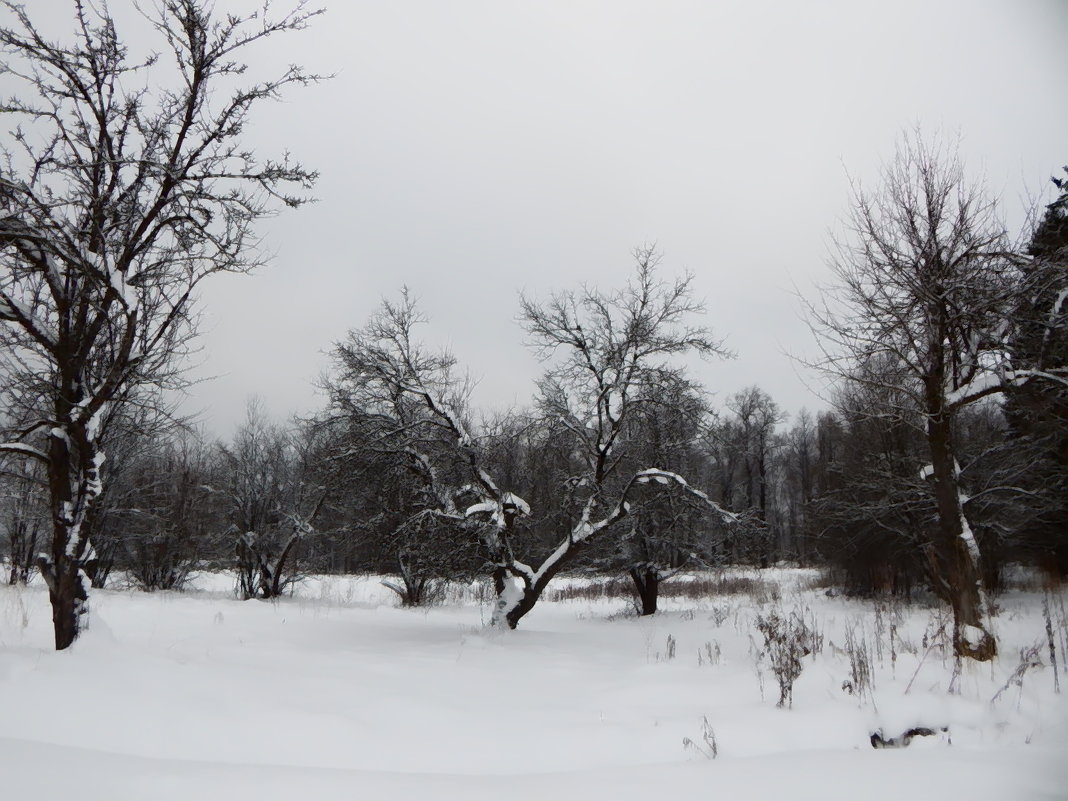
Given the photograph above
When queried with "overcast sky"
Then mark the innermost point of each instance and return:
(473, 150)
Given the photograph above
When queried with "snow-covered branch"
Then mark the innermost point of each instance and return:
(22, 449)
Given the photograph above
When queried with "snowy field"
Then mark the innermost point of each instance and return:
(337, 694)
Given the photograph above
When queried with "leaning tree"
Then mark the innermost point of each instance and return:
(610, 356)
(123, 185)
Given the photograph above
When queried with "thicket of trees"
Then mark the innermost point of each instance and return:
(621, 464)
(943, 457)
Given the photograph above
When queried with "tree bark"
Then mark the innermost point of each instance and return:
(71, 492)
(532, 590)
(957, 549)
(647, 585)
(68, 596)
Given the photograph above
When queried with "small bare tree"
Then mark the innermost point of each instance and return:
(22, 517)
(164, 513)
(399, 412)
(263, 481)
(116, 201)
(670, 530)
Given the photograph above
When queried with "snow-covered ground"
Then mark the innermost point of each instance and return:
(335, 693)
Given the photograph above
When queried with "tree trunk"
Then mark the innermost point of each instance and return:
(529, 596)
(68, 596)
(72, 489)
(958, 550)
(513, 611)
(647, 585)
(280, 565)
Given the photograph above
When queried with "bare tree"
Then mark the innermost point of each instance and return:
(669, 530)
(398, 410)
(757, 415)
(924, 292)
(23, 517)
(874, 512)
(616, 351)
(165, 514)
(136, 428)
(269, 503)
(799, 454)
(410, 410)
(116, 201)
(754, 416)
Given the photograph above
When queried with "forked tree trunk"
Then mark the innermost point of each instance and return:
(512, 612)
(275, 577)
(516, 600)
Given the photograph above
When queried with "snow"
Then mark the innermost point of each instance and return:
(508, 600)
(486, 478)
(496, 509)
(517, 502)
(972, 635)
(660, 476)
(74, 534)
(336, 692)
(92, 426)
(983, 383)
(486, 507)
(93, 483)
(969, 538)
(23, 449)
(1057, 309)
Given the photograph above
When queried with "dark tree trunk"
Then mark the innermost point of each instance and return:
(70, 489)
(531, 591)
(762, 476)
(280, 565)
(647, 585)
(68, 596)
(500, 576)
(958, 552)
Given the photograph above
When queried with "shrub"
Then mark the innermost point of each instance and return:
(786, 642)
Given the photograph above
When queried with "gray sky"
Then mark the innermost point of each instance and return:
(475, 149)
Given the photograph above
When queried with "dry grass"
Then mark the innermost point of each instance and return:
(711, 585)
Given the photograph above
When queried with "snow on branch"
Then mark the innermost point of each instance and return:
(23, 449)
(666, 477)
(14, 311)
(1000, 380)
(989, 383)
(586, 529)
